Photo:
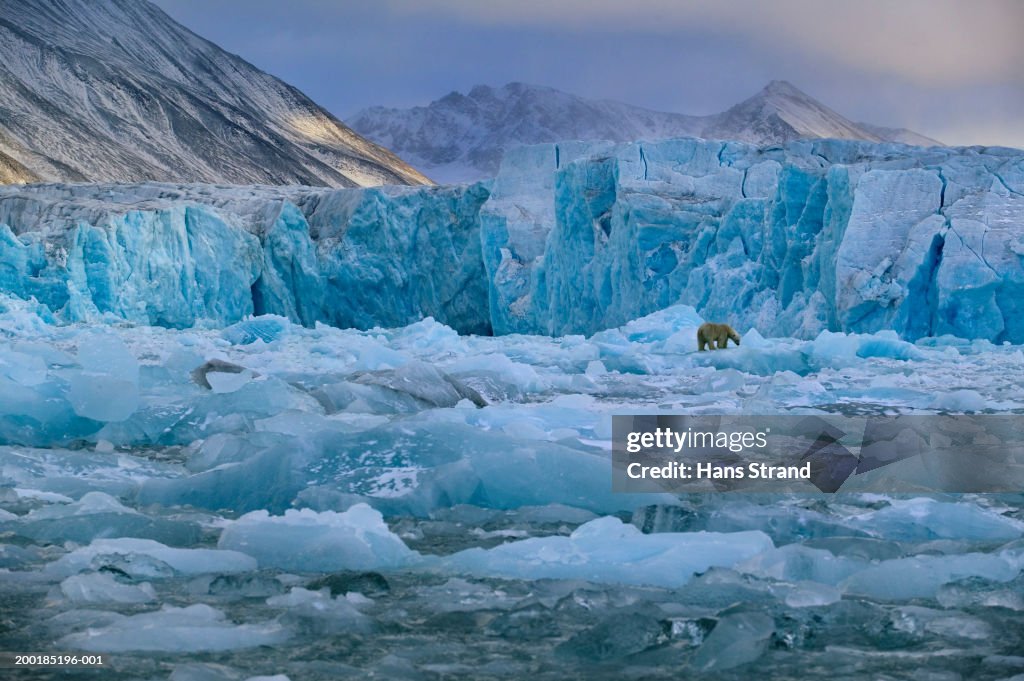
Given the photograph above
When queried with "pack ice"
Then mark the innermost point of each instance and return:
(268, 486)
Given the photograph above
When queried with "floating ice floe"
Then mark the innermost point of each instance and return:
(307, 541)
(98, 515)
(193, 629)
(736, 640)
(608, 550)
(99, 587)
(107, 387)
(922, 576)
(147, 558)
(923, 519)
(316, 612)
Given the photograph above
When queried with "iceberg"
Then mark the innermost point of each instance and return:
(923, 519)
(98, 515)
(616, 637)
(922, 576)
(317, 613)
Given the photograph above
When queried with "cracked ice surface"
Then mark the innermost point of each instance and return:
(336, 497)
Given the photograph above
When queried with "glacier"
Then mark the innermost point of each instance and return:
(571, 238)
(184, 256)
(793, 240)
(252, 431)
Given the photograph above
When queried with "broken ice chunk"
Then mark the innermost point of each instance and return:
(736, 640)
(103, 398)
(317, 613)
(307, 541)
(101, 587)
(99, 515)
(106, 354)
(608, 550)
(219, 371)
(423, 382)
(27, 370)
(922, 519)
(228, 382)
(193, 629)
(921, 576)
(616, 637)
(808, 594)
(266, 328)
(146, 556)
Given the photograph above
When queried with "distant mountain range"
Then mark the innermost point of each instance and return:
(115, 90)
(463, 137)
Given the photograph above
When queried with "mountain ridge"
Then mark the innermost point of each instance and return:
(116, 90)
(461, 137)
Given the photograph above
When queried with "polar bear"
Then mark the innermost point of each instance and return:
(715, 335)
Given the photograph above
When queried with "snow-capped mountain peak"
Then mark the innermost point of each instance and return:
(464, 136)
(781, 112)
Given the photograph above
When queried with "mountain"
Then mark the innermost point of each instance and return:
(781, 113)
(463, 137)
(901, 135)
(115, 90)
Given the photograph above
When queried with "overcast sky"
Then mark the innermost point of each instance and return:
(950, 69)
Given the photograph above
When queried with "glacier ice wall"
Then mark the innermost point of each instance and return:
(824, 235)
(181, 256)
(570, 238)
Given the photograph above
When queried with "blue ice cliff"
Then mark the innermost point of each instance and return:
(825, 235)
(570, 238)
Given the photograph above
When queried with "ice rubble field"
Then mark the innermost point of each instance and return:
(412, 503)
